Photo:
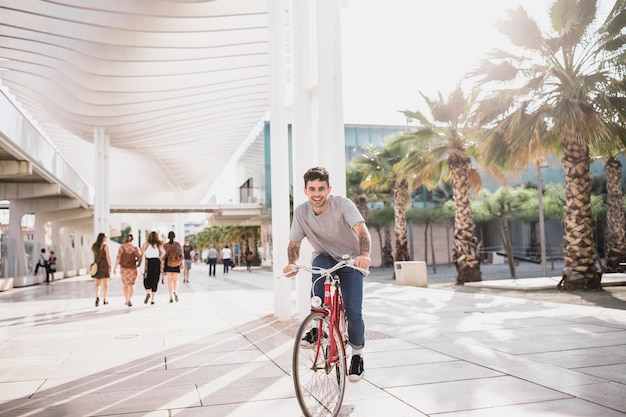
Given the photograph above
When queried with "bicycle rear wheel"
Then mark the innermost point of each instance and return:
(319, 379)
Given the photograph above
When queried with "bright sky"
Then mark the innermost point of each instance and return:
(395, 49)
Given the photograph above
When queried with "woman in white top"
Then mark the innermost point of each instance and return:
(226, 258)
(153, 251)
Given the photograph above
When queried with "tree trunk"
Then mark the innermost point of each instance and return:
(534, 251)
(579, 271)
(615, 221)
(387, 252)
(380, 242)
(508, 246)
(401, 199)
(426, 243)
(466, 246)
(432, 250)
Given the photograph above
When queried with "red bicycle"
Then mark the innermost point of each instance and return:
(319, 367)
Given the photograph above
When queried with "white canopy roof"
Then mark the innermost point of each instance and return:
(181, 88)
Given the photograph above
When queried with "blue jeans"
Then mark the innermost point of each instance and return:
(352, 292)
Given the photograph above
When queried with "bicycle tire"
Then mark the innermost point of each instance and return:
(319, 387)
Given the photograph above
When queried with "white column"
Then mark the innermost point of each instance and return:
(17, 255)
(57, 245)
(134, 229)
(279, 145)
(331, 137)
(179, 226)
(304, 128)
(101, 202)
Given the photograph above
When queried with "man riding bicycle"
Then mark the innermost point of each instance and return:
(334, 227)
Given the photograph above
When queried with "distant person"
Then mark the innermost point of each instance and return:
(189, 255)
(42, 262)
(249, 255)
(153, 252)
(174, 257)
(128, 258)
(52, 265)
(102, 258)
(213, 254)
(226, 258)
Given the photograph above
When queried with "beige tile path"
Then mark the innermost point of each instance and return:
(220, 352)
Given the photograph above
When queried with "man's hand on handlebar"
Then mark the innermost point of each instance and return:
(290, 271)
(362, 262)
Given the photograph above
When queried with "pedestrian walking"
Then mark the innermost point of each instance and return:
(102, 258)
(212, 259)
(128, 258)
(153, 253)
(174, 264)
(189, 255)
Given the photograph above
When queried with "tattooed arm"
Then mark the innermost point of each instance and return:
(365, 243)
(293, 253)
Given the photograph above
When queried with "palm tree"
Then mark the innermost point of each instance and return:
(615, 220)
(562, 79)
(355, 192)
(383, 219)
(381, 175)
(445, 144)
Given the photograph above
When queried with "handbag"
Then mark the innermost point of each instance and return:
(93, 269)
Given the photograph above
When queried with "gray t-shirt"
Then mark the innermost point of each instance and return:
(330, 232)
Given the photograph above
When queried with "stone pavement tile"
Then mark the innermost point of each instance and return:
(572, 407)
(244, 390)
(276, 408)
(377, 407)
(538, 373)
(18, 389)
(175, 361)
(363, 390)
(579, 358)
(537, 328)
(609, 394)
(388, 343)
(471, 394)
(526, 284)
(223, 374)
(106, 403)
(427, 373)
(557, 342)
(399, 358)
(615, 373)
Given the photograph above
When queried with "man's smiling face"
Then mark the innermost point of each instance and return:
(317, 191)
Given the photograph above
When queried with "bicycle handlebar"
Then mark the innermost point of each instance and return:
(349, 262)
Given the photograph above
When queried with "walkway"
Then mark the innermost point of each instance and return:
(219, 352)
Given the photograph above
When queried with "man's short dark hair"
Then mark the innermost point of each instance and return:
(317, 173)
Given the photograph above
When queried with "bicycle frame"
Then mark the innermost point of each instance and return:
(333, 307)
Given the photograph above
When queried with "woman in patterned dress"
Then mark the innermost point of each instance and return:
(128, 256)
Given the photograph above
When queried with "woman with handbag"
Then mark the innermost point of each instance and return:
(102, 258)
(128, 258)
(174, 257)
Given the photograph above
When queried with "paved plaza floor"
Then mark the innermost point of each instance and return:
(220, 351)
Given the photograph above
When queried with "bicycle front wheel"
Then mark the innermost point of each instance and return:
(319, 369)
